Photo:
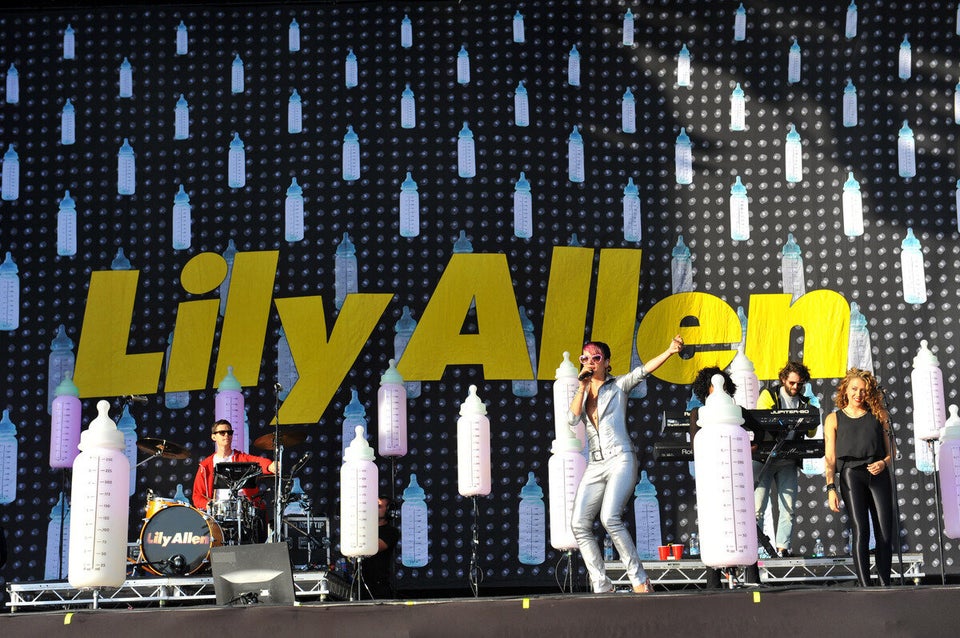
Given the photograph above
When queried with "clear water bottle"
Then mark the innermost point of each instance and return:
(236, 75)
(404, 328)
(628, 112)
(638, 391)
(294, 113)
(564, 471)
(351, 156)
(391, 413)
(519, 35)
(818, 548)
(67, 226)
(739, 212)
(10, 189)
(409, 207)
(58, 541)
(408, 108)
(126, 169)
(473, 447)
(354, 421)
(906, 152)
(608, 554)
(350, 70)
(9, 294)
(414, 525)
(463, 66)
(859, 350)
(287, 374)
(793, 156)
(99, 506)
(466, 153)
(852, 207)
(128, 426)
(527, 387)
(60, 363)
(815, 466)
(850, 115)
(740, 24)
(912, 270)
(344, 271)
(532, 527)
(176, 400)
(904, 60)
(632, 220)
(181, 119)
(359, 479)
(236, 163)
(182, 235)
(293, 212)
(793, 63)
(293, 36)
(681, 268)
(229, 254)
(522, 208)
(126, 79)
(182, 40)
(646, 516)
(573, 67)
(738, 109)
(694, 545)
(521, 105)
(69, 43)
(949, 473)
(683, 152)
(229, 405)
(683, 66)
(576, 170)
(406, 32)
(8, 459)
(791, 269)
(628, 28)
(68, 124)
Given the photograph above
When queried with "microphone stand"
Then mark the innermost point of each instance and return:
(896, 501)
(278, 470)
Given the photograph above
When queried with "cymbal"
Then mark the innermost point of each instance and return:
(164, 448)
(286, 439)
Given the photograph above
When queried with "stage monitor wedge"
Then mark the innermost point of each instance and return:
(253, 574)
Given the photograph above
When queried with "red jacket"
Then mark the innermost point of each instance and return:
(203, 481)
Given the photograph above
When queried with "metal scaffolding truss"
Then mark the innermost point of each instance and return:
(157, 592)
(692, 574)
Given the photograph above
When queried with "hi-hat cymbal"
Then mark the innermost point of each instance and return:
(286, 439)
(164, 448)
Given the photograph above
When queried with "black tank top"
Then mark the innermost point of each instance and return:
(859, 440)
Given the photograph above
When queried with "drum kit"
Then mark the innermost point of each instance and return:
(176, 538)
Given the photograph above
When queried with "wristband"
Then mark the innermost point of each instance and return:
(831, 487)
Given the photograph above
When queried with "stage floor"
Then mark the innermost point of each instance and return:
(820, 610)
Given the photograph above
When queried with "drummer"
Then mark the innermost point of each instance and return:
(222, 435)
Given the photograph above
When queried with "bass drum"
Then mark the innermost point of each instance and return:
(177, 540)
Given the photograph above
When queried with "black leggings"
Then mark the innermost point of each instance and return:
(869, 497)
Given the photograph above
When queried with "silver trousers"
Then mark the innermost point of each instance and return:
(605, 488)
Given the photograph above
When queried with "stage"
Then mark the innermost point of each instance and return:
(822, 611)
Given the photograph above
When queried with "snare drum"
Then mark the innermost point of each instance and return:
(155, 504)
(232, 510)
(177, 540)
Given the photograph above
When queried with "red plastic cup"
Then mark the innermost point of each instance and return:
(664, 552)
(677, 551)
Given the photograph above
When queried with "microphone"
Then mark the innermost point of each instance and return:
(586, 374)
(301, 462)
(277, 387)
(138, 398)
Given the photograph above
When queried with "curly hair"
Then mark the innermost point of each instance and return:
(795, 367)
(702, 382)
(874, 395)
